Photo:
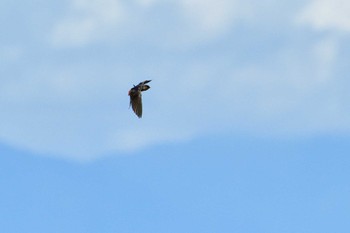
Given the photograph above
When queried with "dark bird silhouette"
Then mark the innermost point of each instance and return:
(136, 97)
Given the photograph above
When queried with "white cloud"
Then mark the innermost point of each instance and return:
(87, 20)
(140, 137)
(81, 111)
(146, 3)
(326, 52)
(210, 16)
(327, 15)
(192, 20)
(74, 104)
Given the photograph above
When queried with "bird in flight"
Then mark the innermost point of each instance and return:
(135, 97)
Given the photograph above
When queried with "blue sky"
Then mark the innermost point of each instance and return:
(245, 127)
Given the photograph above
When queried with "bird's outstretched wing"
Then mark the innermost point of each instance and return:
(144, 82)
(136, 104)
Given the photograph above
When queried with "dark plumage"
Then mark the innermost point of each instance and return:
(135, 97)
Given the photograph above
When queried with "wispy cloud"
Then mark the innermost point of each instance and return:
(87, 21)
(212, 17)
(92, 20)
(327, 15)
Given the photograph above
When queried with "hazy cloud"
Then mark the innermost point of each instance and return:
(91, 20)
(86, 21)
(327, 15)
(210, 75)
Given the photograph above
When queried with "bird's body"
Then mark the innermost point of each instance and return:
(136, 97)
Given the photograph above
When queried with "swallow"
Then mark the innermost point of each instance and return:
(136, 97)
